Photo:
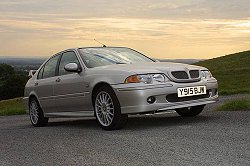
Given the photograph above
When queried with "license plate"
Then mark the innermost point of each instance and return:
(191, 91)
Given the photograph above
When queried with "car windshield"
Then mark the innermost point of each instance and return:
(94, 57)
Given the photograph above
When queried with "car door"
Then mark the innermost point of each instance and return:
(69, 89)
(44, 84)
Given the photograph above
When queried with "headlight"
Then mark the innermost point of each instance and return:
(206, 74)
(146, 78)
(159, 77)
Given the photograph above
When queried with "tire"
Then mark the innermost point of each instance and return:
(190, 111)
(36, 114)
(108, 110)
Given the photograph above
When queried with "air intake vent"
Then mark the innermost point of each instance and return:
(174, 97)
(194, 73)
(180, 74)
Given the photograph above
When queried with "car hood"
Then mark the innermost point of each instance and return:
(115, 74)
(154, 67)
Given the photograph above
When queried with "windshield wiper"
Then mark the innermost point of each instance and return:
(120, 63)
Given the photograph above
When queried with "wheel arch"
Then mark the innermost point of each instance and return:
(34, 95)
(96, 87)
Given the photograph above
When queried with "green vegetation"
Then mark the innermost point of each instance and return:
(235, 105)
(11, 82)
(231, 71)
(11, 85)
(12, 107)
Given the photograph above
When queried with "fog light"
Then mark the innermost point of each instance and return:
(151, 99)
(216, 91)
(210, 93)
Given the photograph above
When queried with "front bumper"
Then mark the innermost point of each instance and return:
(133, 97)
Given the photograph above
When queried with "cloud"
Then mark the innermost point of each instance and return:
(154, 26)
(164, 9)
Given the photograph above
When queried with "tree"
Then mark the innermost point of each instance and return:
(11, 83)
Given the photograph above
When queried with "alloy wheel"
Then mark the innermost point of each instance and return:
(34, 112)
(104, 108)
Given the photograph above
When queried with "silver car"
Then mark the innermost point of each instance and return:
(112, 82)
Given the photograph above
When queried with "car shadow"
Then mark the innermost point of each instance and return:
(146, 122)
(137, 122)
(74, 122)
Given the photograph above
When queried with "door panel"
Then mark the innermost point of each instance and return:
(44, 91)
(44, 84)
(69, 89)
(70, 93)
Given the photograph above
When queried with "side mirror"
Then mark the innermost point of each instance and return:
(31, 73)
(73, 67)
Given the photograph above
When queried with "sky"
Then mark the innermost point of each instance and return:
(165, 29)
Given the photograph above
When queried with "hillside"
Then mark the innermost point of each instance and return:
(22, 64)
(12, 107)
(232, 71)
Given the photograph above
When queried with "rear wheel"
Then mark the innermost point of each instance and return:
(36, 114)
(108, 109)
(190, 111)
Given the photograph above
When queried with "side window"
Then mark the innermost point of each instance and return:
(67, 57)
(40, 74)
(49, 69)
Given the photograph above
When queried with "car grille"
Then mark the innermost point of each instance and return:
(174, 97)
(180, 74)
(194, 73)
(185, 76)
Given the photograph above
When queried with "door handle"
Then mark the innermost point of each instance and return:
(36, 83)
(58, 79)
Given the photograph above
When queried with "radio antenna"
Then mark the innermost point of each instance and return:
(103, 45)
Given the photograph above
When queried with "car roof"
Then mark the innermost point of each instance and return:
(103, 47)
(76, 48)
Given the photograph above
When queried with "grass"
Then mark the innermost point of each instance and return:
(231, 71)
(12, 107)
(235, 105)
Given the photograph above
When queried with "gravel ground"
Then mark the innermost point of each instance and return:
(213, 138)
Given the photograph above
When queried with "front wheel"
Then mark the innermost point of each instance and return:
(190, 111)
(108, 109)
(36, 114)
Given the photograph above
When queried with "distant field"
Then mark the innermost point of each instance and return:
(231, 71)
(12, 107)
